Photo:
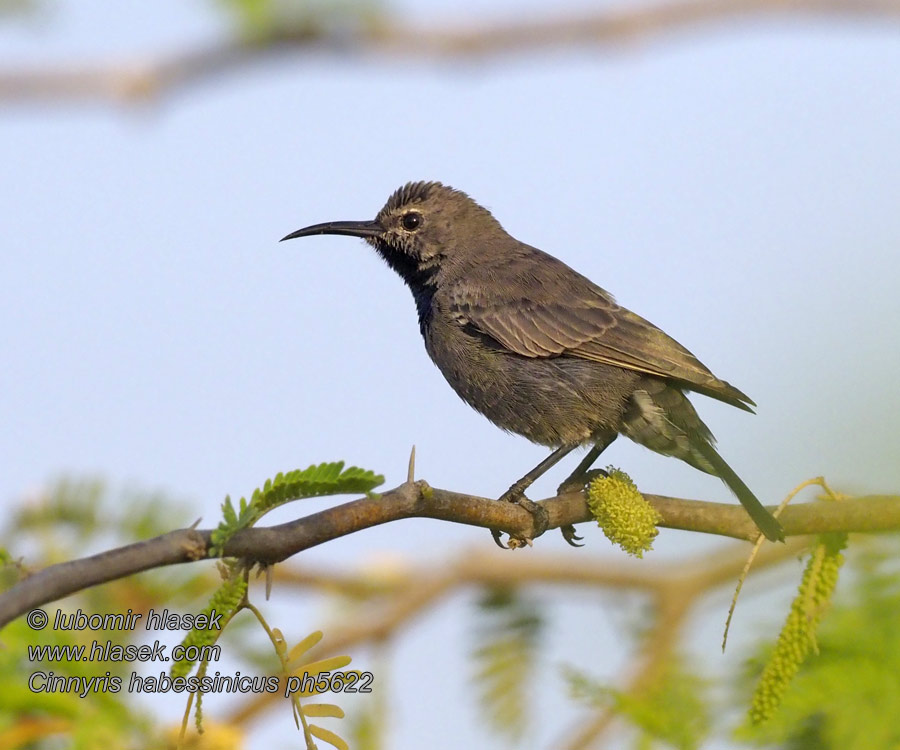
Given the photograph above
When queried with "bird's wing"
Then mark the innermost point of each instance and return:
(571, 316)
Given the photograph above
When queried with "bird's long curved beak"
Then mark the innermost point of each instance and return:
(348, 228)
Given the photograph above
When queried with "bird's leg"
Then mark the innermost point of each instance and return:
(516, 494)
(575, 480)
(579, 478)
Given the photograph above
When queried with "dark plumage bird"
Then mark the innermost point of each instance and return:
(536, 347)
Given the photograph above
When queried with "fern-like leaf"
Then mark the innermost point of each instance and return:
(329, 737)
(226, 599)
(314, 481)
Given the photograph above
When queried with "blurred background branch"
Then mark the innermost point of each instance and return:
(276, 29)
(392, 602)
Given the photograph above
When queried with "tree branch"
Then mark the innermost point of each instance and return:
(269, 545)
(130, 81)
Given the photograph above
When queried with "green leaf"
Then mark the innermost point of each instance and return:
(305, 645)
(323, 709)
(314, 481)
(225, 601)
(330, 737)
(323, 665)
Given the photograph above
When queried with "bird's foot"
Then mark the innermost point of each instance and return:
(539, 517)
(577, 483)
(570, 535)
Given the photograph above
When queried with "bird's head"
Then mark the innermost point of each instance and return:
(422, 225)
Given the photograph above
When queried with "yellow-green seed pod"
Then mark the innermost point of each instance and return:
(623, 514)
(798, 636)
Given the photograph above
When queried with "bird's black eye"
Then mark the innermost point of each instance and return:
(411, 221)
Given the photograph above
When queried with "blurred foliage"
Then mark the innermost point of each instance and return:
(844, 695)
(68, 520)
(71, 511)
(214, 737)
(258, 20)
(507, 638)
(847, 697)
(673, 711)
(261, 20)
(366, 730)
(40, 720)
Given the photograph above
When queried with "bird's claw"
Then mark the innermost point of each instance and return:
(577, 484)
(497, 539)
(570, 535)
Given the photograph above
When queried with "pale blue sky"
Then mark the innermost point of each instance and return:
(736, 185)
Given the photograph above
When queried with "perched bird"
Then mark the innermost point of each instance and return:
(539, 349)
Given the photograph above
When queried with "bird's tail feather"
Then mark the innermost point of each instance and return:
(765, 521)
(660, 417)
